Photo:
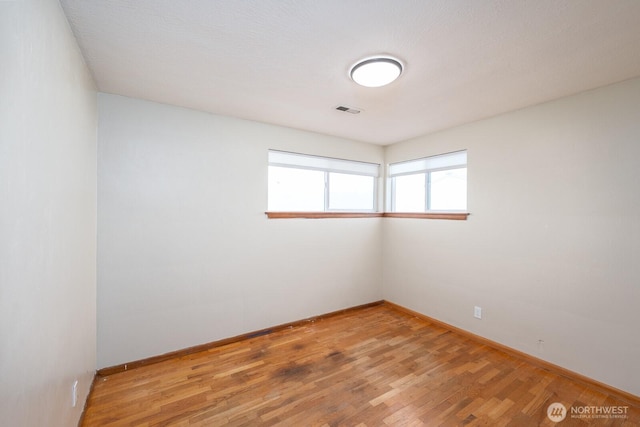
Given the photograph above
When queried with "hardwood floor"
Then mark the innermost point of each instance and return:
(371, 367)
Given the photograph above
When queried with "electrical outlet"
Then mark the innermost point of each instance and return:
(477, 312)
(74, 394)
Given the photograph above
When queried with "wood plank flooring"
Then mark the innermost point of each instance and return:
(371, 367)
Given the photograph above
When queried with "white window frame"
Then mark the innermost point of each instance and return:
(328, 165)
(426, 165)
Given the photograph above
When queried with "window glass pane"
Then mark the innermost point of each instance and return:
(350, 192)
(449, 189)
(295, 189)
(410, 193)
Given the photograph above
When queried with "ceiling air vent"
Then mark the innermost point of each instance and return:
(348, 109)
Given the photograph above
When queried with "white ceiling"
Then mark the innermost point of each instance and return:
(286, 62)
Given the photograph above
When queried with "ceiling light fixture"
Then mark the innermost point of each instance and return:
(377, 71)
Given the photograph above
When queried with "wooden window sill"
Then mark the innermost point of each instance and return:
(316, 215)
(460, 216)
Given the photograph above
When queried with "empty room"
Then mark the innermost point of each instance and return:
(319, 213)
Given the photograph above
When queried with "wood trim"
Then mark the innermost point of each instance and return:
(461, 216)
(204, 347)
(318, 215)
(543, 364)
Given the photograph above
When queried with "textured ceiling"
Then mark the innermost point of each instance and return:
(286, 61)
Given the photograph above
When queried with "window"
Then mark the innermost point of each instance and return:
(437, 183)
(303, 183)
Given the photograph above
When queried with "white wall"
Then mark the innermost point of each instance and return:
(186, 254)
(551, 249)
(47, 217)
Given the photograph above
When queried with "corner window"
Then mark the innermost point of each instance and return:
(437, 183)
(304, 183)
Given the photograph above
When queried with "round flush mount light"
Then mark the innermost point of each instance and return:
(377, 71)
